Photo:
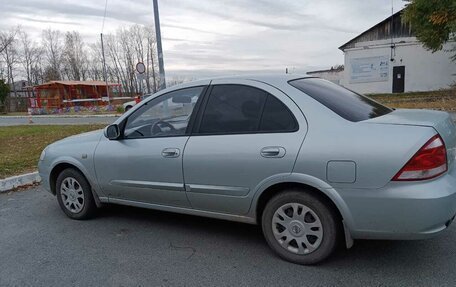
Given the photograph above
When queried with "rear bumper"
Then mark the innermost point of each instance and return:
(403, 210)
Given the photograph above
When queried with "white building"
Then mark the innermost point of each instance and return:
(335, 74)
(388, 58)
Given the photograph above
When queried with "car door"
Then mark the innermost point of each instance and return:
(145, 164)
(246, 133)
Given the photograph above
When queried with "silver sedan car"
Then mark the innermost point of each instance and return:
(311, 162)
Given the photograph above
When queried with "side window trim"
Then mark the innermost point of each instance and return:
(195, 110)
(201, 111)
(262, 110)
(196, 129)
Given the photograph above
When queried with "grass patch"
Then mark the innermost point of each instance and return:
(21, 146)
(444, 100)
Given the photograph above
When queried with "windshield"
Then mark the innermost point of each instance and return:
(346, 103)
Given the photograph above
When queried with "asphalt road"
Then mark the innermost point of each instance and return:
(126, 246)
(56, 120)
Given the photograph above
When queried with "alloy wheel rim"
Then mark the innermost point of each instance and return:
(297, 228)
(72, 195)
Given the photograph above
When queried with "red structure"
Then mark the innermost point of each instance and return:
(65, 94)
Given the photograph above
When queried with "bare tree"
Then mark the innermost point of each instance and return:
(9, 55)
(37, 70)
(7, 38)
(74, 56)
(139, 43)
(114, 55)
(52, 44)
(29, 55)
(10, 58)
(125, 39)
(65, 56)
(95, 62)
(50, 74)
(143, 39)
(128, 47)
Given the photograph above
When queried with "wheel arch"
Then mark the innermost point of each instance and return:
(60, 166)
(274, 189)
(56, 170)
(312, 184)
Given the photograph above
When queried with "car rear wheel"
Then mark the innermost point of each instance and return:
(74, 195)
(300, 227)
(127, 108)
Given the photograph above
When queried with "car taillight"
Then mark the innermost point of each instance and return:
(429, 162)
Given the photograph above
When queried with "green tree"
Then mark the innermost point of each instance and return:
(433, 21)
(4, 90)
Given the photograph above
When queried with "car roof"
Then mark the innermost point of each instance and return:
(262, 77)
(276, 80)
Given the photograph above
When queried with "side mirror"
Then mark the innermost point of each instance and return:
(112, 132)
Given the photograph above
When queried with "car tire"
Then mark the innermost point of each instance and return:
(300, 227)
(74, 195)
(127, 108)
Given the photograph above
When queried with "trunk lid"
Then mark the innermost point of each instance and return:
(442, 122)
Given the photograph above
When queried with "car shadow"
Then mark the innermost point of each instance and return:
(409, 256)
(182, 222)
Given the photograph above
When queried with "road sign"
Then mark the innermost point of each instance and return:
(140, 68)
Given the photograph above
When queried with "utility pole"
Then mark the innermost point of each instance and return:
(104, 69)
(161, 66)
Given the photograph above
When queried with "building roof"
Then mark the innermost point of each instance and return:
(77, 83)
(391, 27)
(18, 85)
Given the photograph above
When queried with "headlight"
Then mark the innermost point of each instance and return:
(43, 154)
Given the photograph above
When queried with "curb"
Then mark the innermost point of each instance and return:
(13, 182)
(61, 116)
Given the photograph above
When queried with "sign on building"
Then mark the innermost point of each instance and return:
(370, 69)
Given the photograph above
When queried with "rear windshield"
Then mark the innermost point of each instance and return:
(347, 104)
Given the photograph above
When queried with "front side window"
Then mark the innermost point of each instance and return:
(167, 115)
(233, 109)
(244, 109)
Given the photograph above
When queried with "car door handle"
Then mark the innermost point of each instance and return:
(273, 151)
(170, 152)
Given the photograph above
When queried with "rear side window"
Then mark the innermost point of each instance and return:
(277, 117)
(347, 104)
(244, 109)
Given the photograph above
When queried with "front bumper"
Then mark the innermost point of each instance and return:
(44, 174)
(403, 210)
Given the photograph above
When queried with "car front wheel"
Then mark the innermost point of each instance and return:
(74, 195)
(300, 227)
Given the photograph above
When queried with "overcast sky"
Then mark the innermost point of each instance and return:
(212, 37)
